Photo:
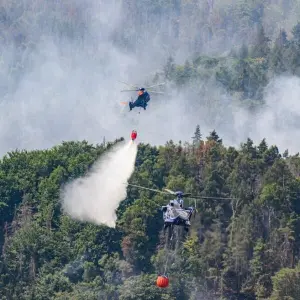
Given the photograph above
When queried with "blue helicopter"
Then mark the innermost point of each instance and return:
(143, 95)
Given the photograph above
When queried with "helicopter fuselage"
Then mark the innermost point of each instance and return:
(175, 214)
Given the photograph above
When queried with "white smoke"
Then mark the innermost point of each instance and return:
(95, 198)
(277, 121)
(68, 88)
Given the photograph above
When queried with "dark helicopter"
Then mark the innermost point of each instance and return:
(143, 95)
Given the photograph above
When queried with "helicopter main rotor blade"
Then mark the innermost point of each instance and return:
(129, 90)
(156, 92)
(186, 194)
(207, 197)
(145, 188)
(170, 192)
(174, 193)
(158, 84)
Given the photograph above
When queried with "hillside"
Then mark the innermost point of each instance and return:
(245, 248)
(73, 56)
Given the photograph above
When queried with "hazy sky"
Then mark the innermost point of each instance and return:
(70, 91)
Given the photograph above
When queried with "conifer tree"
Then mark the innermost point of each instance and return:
(197, 136)
(261, 47)
(213, 136)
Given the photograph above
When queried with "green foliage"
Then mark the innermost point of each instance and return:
(142, 287)
(235, 246)
(197, 136)
(286, 284)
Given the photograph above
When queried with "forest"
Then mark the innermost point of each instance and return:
(243, 248)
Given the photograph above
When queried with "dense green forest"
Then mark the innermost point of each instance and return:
(246, 247)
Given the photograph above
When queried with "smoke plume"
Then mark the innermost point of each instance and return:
(95, 198)
(64, 84)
